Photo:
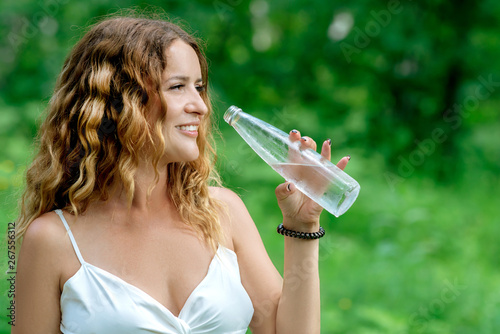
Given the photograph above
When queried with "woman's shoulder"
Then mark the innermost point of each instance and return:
(235, 210)
(45, 233)
(227, 196)
(39, 268)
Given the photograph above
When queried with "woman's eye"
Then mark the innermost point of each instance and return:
(200, 89)
(176, 87)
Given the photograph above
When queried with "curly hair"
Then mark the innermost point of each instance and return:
(96, 125)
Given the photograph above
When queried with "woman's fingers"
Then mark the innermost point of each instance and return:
(284, 190)
(294, 135)
(343, 162)
(293, 155)
(326, 149)
(307, 142)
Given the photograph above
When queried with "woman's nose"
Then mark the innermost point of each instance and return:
(197, 104)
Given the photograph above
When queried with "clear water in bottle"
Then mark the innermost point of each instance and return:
(319, 183)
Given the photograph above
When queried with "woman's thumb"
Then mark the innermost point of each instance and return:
(284, 190)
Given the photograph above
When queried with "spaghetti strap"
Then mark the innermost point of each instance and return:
(73, 242)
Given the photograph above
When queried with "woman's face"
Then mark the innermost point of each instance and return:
(181, 88)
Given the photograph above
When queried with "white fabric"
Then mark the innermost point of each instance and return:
(96, 301)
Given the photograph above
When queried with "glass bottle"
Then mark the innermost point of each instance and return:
(311, 173)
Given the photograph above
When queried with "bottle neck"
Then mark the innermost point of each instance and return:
(231, 115)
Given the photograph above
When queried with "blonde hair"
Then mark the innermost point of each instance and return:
(97, 124)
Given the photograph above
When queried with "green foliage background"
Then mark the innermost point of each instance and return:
(409, 89)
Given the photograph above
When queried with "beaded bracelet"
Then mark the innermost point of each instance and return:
(301, 235)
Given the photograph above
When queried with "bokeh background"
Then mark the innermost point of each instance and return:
(409, 89)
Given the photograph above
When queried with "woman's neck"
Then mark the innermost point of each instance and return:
(150, 191)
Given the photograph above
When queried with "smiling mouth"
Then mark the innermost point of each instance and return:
(188, 127)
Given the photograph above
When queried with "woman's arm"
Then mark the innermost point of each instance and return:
(291, 305)
(299, 306)
(37, 281)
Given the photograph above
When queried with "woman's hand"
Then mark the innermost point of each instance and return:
(300, 213)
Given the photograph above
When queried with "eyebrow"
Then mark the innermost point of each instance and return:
(182, 78)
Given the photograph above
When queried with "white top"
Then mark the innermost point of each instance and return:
(96, 301)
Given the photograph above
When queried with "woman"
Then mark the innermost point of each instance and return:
(120, 230)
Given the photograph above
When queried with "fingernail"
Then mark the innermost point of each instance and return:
(348, 157)
(288, 187)
(294, 131)
(304, 138)
(329, 141)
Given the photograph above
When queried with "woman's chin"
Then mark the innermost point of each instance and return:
(186, 157)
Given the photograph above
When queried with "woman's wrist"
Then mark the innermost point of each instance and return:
(300, 235)
(301, 226)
